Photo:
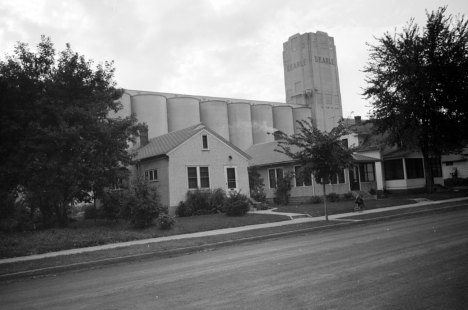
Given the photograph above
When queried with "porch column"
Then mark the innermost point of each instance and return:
(379, 177)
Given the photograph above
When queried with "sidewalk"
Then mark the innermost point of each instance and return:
(295, 219)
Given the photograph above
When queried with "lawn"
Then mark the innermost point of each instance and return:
(85, 233)
(345, 206)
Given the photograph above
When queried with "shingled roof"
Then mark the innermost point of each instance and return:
(264, 154)
(164, 144)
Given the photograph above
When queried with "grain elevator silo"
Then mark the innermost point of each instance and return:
(300, 114)
(151, 109)
(240, 125)
(262, 123)
(182, 112)
(283, 119)
(214, 114)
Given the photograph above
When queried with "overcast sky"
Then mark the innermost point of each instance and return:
(221, 48)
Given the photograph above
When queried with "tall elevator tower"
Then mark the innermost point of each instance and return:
(311, 77)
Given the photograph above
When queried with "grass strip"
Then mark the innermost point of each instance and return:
(367, 216)
(154, 247)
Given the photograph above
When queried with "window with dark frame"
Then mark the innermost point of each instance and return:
(414, 168)
(436, 167)
(231, 178)
(341, 177)
(205, 142)
(275, 175)
(344, 142)
(192, 177)
(299, 180)
(151, 175)
(449, 163)
(204, 177)
(394, 169)
(367, 172)
(198, 177)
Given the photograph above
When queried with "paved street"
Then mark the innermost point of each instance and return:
(409, 263)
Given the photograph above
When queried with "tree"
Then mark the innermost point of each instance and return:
(58, 140)
(418, 87)
(320, 154)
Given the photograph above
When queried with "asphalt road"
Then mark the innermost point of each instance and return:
(408, 263)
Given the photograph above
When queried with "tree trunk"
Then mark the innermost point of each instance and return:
(325, 202)
(428, 173)
(61, 213)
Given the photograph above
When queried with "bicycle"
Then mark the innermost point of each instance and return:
(358, 208)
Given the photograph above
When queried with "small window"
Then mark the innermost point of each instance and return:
(204, 142)
(344, 142)
(151, 175)
(449, 163)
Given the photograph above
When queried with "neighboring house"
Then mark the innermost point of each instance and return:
(273, 165)
(455, 165)
(188, 159)
(395, 168)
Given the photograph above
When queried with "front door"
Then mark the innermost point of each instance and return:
(231, 178)
(354, 178)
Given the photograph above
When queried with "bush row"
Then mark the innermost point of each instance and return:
(200, 202)
(451, 182)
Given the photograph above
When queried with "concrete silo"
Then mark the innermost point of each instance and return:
(240, 125)
(262, 123)
(300, 114)
(283, 119)
(126, 110)
(151, 109)
(182, 112)
(214, 114)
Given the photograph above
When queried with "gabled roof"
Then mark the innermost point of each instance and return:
(264, 154)
(164, 144)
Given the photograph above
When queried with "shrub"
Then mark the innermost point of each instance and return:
(111, 205)
(237, 204)
(141, 204)
(90, 212)
(165, 221)
(315, 199)
(348, 196)
(217, 200)
(258, 195)
(372, 191)
(333, 197)
(451, 182)
(256, 185)
(283, 186)
(200, 202)
(184, 209)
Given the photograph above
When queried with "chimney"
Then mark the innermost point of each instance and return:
(143, 136)
(357, 120)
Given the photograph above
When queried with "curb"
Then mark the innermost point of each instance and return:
(49, 271)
